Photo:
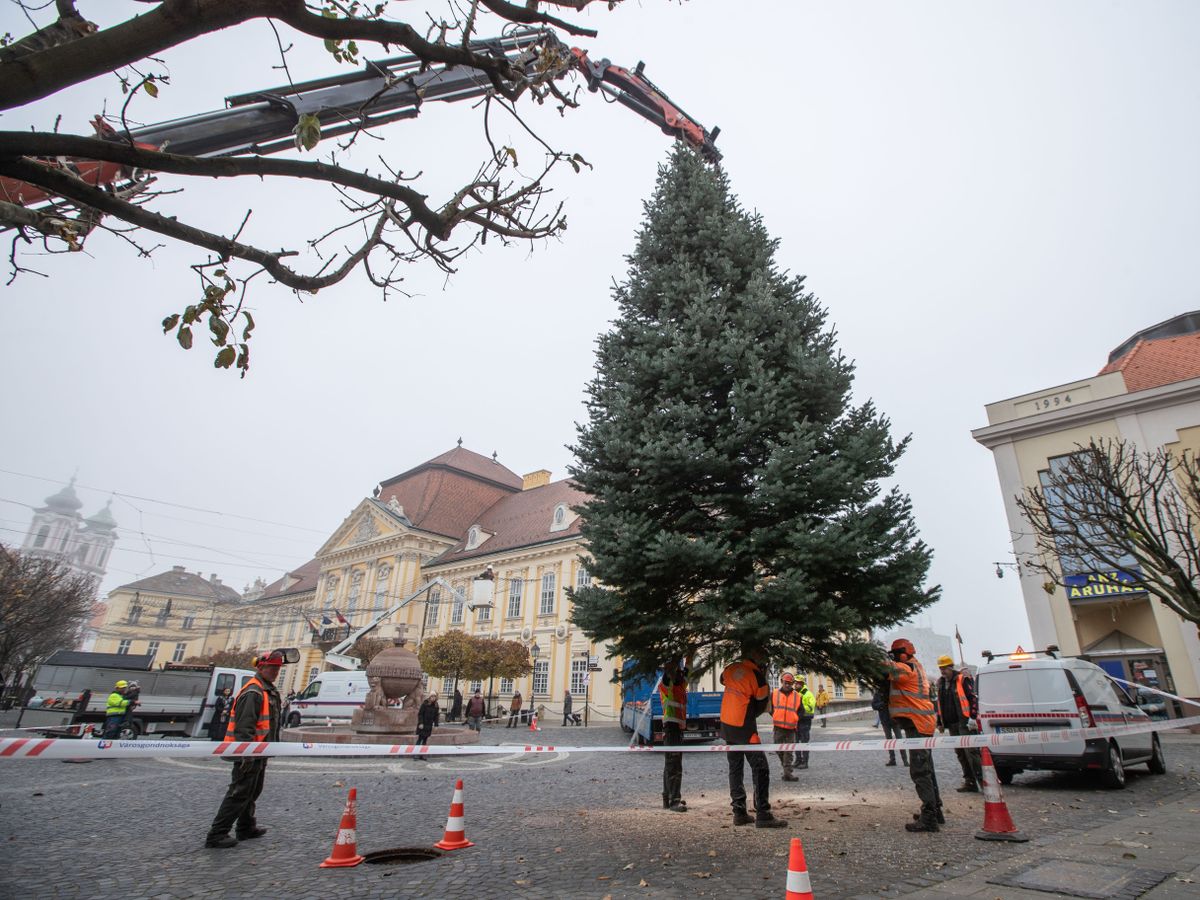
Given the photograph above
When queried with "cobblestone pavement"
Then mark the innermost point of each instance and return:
(570, 825)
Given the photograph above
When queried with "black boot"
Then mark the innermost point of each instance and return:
(769, 821)
(741, 817)
(920, 826)
(226, 840)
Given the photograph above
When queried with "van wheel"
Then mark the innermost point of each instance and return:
(129, 732)
(1158, 762)
(1114, 776)
(293, 720)
(1005, 775)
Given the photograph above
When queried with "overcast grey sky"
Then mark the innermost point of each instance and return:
(987, 197)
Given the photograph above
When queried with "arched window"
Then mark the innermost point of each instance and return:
(381, 588)
(548, 585)
(42, 535)
(432, 605)
(355, 590)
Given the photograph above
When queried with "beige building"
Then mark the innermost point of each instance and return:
(171, 616)
(1149, 395)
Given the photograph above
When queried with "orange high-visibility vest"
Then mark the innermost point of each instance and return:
(674, 701)
(963, 703)
(741, 689)
(262, 727)
(787, 709)
(909, 696)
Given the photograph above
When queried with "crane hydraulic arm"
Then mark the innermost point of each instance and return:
(263, 122)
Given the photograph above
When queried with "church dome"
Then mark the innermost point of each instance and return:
(103, 520)
(66, 500)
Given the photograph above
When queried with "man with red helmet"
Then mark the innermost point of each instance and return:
(255, 717)
(913, 711)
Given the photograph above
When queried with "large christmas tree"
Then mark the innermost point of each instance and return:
(735, 490)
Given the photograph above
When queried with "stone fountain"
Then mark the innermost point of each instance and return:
(389, 714)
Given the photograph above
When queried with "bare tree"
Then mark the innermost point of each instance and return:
(44, 606)
(230, 658)
(57, 189)
(1110, 508)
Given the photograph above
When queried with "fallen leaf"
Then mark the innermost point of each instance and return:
(627, 868)
(643, 883)
(339, 784)
(603, 877)
(703, 874)
(558, 849)
(712, 852)
(521, 881)
(1128, 856)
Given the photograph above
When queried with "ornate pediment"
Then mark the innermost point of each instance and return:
(367, 523)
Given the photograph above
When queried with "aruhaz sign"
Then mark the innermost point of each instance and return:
(1097, 585)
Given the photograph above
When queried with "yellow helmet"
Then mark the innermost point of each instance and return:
(122, 684)
(944, 661)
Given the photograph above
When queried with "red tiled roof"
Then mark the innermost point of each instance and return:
(303, 579)
(520, 520)
(447, 494)
(1157, 362)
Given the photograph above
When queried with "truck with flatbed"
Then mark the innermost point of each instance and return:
(641, 710)
(176, 700)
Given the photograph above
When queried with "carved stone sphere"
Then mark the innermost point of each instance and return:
(398, 672)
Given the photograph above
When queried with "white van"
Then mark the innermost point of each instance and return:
(1042, 691)
(331, 695)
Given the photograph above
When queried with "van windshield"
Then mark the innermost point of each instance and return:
(1023, 687)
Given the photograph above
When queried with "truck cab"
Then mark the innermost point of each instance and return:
(641, 710)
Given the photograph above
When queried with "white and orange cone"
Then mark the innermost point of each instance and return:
(345, 845)
(997, 823)
(533, 725)
(799, 887)
(455, 837)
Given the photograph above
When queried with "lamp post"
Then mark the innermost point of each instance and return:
(587, 683)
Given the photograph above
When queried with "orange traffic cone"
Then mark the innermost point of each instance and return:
(345, 845)
(798, 885)
(455, 838)
(533, 725)
(997, 823)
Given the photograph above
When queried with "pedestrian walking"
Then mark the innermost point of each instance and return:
(672, 693)
(567, 702)
(746, 697)
(912, 711)
(115, 709)
(456, 707)
(822, 702)
(514, 710)
(879, 703)
(427, 718)
(808, 703)
(222, 707)
(475, 709)
(957, 706)
(255, 717)
(786, 706)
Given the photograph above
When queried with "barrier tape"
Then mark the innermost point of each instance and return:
(57, 748)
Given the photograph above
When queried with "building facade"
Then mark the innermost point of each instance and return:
(1149, 396)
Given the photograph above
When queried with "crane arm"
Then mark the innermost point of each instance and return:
(263, 122)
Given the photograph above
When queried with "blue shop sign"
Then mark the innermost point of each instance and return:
(1098, 585)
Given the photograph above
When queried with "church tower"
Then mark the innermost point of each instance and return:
(59, 531)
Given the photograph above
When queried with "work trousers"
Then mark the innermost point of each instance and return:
(892, 731)
(787, 758)
(920, 769)
(760, 775)
(968, 760)
(238, 805)
(803, 736)
(112, 726)
(672, 765)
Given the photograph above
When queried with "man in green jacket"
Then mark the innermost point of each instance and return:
(115, 710)
(808, 703)
(255, 717)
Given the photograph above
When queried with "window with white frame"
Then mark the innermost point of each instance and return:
(330, 589)
(506, 685)
(189, 621)
(515, 585)
(839, 690)
(291, 634)
(476, 687)
(180, 652)
(381, 586)
(456, 607)
(579, 671)
(352, 599)
(549, 582)
(583, 578)
(432, 605)
(123, 647)
(152, 649)
(541, 676)
(312, 673)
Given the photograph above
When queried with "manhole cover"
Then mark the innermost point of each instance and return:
(401, 856)
(1076, 878)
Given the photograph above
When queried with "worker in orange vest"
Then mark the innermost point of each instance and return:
(672, 693)
(913, 712)
(745, 699)
(957, 706)
(255, 717)
(786, 707)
